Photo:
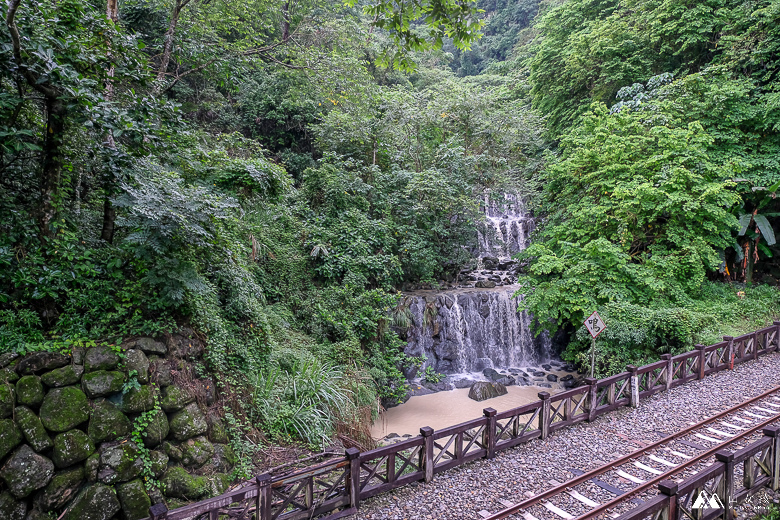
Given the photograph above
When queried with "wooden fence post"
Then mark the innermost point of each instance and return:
(353, 477)
(726, 489)
(702, 359)
(592, 383)
(668, 374)
(669, 489)
(264, 497)
(730, 351)
(544, 415)
(633, 383)
(777, 335)
(774, 432)
(426, 454)
(489, 435)
(158, 511)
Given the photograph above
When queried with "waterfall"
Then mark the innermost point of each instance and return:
(474, 329)
(477, 325)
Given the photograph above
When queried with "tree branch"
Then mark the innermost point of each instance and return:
(32, 80)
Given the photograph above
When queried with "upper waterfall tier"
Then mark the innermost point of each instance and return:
(507, 227)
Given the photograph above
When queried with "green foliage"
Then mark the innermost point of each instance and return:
(431, 376)
(137, 436)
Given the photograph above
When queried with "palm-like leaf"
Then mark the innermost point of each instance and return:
(766, 229)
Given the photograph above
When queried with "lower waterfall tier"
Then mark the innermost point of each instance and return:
(469, 330)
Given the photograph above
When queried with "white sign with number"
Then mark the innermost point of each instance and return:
(595, 324)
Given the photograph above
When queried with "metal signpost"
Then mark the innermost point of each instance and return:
(595, 326)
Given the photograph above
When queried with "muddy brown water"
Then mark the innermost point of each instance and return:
(444, 409)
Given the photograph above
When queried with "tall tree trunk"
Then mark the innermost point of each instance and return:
(51, 173)
(170, 35)
(750, 262)
(109, 213)
(286, 21)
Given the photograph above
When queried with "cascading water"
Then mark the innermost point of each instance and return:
(477, 326)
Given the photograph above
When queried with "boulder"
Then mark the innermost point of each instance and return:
(136, 361)
(552, 377)
(483, 390)
(185, 345)
(10, 508)
(439, 386)
(10, 437)
(41, 362)
(71, 447)
(178, 483)
(161, 371)
(91, 467)
(8, 375)
(29, 391)
(102, 357)
(136, 400)
(102, 382)
(26, 471)
(64, 408)
(119, 463)
(482, 363)
(174, 398)
(485, 284)
(223, 460)
(506, 380)
(32, 428)
(96, 502)
(7, 400)
(62, 488)
(158, 462)
(157, 429)
(217, 431)
(539, 373)
(567, 377)
(196, 452)
(148, 345)
(188, 422)
(77, 355)
(134, 500)
(491, 374)
(107, 422)
(173, 451)
(547, 366)
(6, 358)
(216, 484)
(67, 375)
(463, 383)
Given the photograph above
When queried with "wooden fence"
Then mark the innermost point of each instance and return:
(733, 478)
(338, 486)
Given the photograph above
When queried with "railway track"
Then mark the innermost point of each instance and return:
(618, 486)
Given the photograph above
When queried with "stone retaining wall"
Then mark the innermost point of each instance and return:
(67, 422)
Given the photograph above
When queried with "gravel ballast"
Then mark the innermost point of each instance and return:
(514, 474)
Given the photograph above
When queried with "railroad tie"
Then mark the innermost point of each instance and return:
(628, 476)
(576, 495)
(557, 510)
(678, 454)
(527, 515)
(755, 415)
(720, 432)
(606, 486)
(710, 439)
(770, 412)
(773, 405)
(647, 468)
(659, 460)
(734, 426)
(740, 419)
(692, 445)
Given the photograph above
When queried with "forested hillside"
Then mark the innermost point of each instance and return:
(272, 175)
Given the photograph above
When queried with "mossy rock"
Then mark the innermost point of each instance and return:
(157, 429)
(71, 447)
(36, 514)
(224, 458)
(7, 400)
(189, 422)
(161, 369)
(107, 422)
(136, 360)
(91, 467)
(173, 451)
(7, 358)
(41, 362)
(119, 463)
(29, 391)
(62, 488)
(196, 452)
(136, 400)
(174, 398)
(178, 483)
(64, 408)
(217, 484)
(217, 430)
(32, 428)
(134, 500)
(100, 358)
(10, 508)
(67, 375)
(10, 437)
(8, 375)
(148, 345)
(96, 502)
(159, 462)
(102, 382)
(26, 471)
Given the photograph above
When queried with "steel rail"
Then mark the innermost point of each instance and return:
(505, 513)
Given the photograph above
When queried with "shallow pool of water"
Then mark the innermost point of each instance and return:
(444, 409)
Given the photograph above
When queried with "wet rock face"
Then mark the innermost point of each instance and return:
(480, 329)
